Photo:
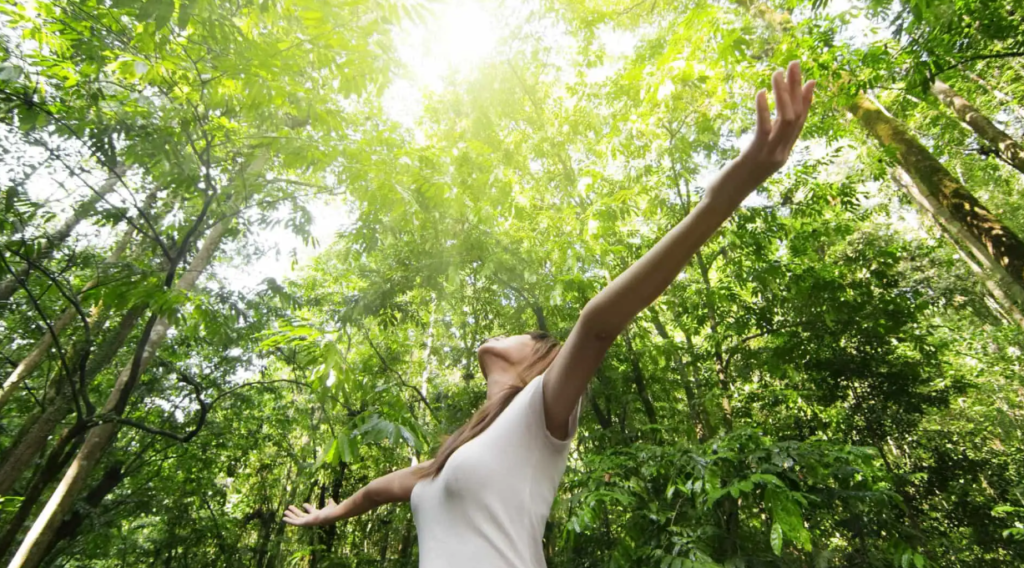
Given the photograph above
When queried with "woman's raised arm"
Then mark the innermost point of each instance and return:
(391, 488)
(609, 312)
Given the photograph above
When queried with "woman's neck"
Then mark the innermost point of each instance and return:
(499, 378)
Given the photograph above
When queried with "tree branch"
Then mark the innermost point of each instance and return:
(1003, 55)
(388, 368)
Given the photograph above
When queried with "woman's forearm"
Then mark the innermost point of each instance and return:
(610, 311)
(358, 503)
(391, 488)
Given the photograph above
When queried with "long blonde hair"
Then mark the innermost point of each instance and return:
(544, 350)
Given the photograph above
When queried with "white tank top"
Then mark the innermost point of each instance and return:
(489, 505)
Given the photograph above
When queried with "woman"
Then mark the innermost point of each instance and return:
(484, 499)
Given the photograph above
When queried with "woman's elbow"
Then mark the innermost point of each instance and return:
(600, 324)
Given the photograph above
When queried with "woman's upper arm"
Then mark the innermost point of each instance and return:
(569, 374)
(396, 486)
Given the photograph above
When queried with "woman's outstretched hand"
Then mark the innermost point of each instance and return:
(773, 141)
(311, 517)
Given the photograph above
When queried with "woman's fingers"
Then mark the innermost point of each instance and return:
(783, 107)
(764, 117)
(299, 518)
(773, 140)
(795, 82)
(806, 95)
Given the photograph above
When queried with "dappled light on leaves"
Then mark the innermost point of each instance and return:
(248, 251)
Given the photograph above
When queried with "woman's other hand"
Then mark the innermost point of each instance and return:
(311, 517)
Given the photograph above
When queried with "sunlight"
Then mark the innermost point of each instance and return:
(455, 39)
(461, 35)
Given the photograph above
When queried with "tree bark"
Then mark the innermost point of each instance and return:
(693, 402)
(59, 457)
(1007, 147)
(32, 361)
(1006, 294)
(99, 438)
(724, 384)
(53, 240)
(28, 448)
(405, 548)
(965, 211)
(1006, 99)
(111, 478)
(602, 418)
(25, 450)
(640, 382)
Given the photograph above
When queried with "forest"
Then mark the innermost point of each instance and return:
(248, 249)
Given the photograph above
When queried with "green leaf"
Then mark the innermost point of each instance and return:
(185, 13)
(332, 454)
(776, 538)
(163, 14)
(10, 72)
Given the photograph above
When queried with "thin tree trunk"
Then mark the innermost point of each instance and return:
(34, 358)
(266, 523)
(386, 541)
(53, 240)
(38, 353)
(1008, 148)
(602, 417)
(99, 438)
(405, 548)
(723, 378)
(1007, 295)
(21, 456)
(59, 457)
(25, 450)
(111, 478)
(640, 383)
(964, 209)
(693, 402)
(1000, 95)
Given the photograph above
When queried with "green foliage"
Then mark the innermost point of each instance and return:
(827, 384)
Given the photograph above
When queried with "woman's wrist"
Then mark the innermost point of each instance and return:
(738, 179)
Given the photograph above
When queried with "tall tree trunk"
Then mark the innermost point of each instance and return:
(59, 457)
(386, 540)
(640, 382)
(38, 353)
(1007, 295)
(602, 417)
(25, 450)
(693, 402)
(1008, 148)
(1003, 97)
(405, 548)
(111, 478)
(724, 384)
(928, 173)
(28, 448)
(34, 358)
(53, 240)
(99, 438)
(266, 524)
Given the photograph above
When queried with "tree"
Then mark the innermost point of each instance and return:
(1007, 148)
(958, 205)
